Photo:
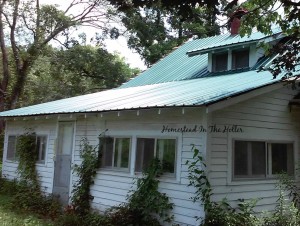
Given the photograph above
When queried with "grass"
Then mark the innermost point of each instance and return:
(10, 218)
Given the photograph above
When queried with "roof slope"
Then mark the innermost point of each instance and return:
(177, 80)
(196, 92)
(179, 66)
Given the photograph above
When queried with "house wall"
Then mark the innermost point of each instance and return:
(111, 187)
(266, 117)
(45, 170)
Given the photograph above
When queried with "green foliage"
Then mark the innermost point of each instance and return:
(8, 187)
(217, 213)
(146, 205)
(86, 172)
(79, 70)
(289, 185)
(27, 157)
(198, 179)
(286, 214)
(146, 199)
(156, 27)
(28, 27)
(11, 217)
(27, 192)
(265, 15)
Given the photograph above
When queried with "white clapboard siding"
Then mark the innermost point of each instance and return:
(111, 187)
(266, 117)
(42, 127)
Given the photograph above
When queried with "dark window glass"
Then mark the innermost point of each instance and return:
(11, 148)
(282, 158)
(106, 151)
(144, 153)
(240, 59)
(240, 158)
(41, 142)
(251, 158)
(165, 151)
(220, 62)
(121, 158)
(258, 158)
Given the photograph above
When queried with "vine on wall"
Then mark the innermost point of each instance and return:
(86, 172)
(27, 157)
(217, 213)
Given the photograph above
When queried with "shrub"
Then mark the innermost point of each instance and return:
(86, 172)
(146, 205)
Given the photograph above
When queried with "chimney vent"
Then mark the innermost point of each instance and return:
(235, 21)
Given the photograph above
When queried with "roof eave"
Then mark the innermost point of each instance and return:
(266, 39)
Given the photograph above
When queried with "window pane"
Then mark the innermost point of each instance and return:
(121, 158)
(165, 151)
(144, 153)
(11, 147)
(220, 62)
(65, 139)
(41, 147)
(282, 158)
(240, 158)
(240, 59)
(258, 158)
(106, 151)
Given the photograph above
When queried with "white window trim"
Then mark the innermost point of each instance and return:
(155, 137)
(272, 138)
(38, 163)
(146, 134)
(211, 58)
(43, 163)
(119, 169)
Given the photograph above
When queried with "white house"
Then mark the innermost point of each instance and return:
(207, 93)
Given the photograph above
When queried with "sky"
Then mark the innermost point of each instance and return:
(119, 45)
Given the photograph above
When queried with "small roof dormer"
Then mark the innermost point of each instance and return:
(235, 52)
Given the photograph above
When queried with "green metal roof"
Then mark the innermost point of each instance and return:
(195, 92)
(177, 80)
(179, 66)
(235, 40)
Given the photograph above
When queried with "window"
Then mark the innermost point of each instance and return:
(240, 59)
(11, 148)
(40, 142)
(114, 152)
(149, 148)
(256, 159)
(220, 62)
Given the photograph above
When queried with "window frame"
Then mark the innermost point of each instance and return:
(214, 60)
(39, 160)
(230, 59)
(14, 158)
(268, 163)
(113, 168)
(172, 175)
(233, 58)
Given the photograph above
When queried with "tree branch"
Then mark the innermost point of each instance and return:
(12, 36)
(6, 72)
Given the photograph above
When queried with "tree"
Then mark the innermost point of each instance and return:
(26, 27)
(264, 15)
(157, 26)
(79, 70)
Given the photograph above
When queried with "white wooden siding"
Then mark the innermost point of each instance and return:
(266, 117)
(111, 187)
(43, 127)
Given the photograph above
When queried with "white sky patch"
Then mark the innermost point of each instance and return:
(113, 46)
